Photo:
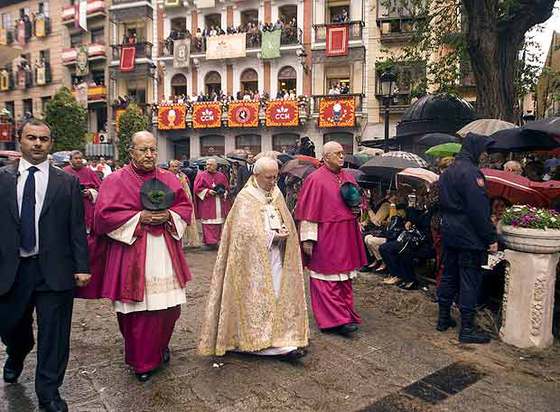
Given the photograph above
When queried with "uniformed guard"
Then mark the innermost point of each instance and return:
(467, 234)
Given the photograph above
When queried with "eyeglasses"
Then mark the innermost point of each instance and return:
(145, 150)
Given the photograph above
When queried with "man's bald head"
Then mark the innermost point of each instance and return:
(266, 173)
(143, 150)
(333, 156)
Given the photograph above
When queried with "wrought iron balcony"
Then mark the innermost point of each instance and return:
(355, 30)
(143, 50)
(358, 101)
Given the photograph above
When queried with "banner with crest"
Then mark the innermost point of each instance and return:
(337, 111)
(226, 46)
(172, 117)
(181, 53)
(82, 57)
(282, 113)
(206, 115)
(243, 114)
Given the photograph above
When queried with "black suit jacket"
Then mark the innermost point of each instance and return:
(62, 235)
(243, 175)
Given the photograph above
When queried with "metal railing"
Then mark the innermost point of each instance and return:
(355, 30)
(143, 50)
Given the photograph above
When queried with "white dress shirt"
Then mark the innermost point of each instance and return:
(41, 182)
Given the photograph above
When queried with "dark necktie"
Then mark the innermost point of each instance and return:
(28, 235)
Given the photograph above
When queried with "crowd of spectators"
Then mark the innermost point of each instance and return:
(339, 88)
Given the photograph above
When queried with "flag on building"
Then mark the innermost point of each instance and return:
(81, 94)
(181, 53)
(337, 40)
(282, 113)
(41, 75)
(206, 115)
(243, 114)
(4, 80)
(128, 58)
(80, 15)
(227, 46)
(40, 27)
(337, 111)
(82, 56)
(271, 44)
(171, 117)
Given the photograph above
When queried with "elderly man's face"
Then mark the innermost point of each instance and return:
(212, 166)
(267, 178)
(144, 152)
(77, 161)
(335, 159)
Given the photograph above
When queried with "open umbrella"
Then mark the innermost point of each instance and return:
(297, 168)
(370, 152)
(308, 159)
(357, 173)
(434, 139)
(237, 155)
(386, 166)
(415, 174)
(550, 126)
(61, 157)
(485, 127)
(10, 154)
(444, 150)
(515, 189)
(202, 160)
(521, 140)
(414, 158)
(353, 161)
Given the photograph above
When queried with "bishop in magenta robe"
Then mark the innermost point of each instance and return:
(89, 183)
(332, 243)
(144, 273)
(212, 204)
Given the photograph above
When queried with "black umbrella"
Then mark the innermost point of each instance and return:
(434, 139)
(284, 157)
(352, 161)
(385, 166)
(550, 126)
(521, 140)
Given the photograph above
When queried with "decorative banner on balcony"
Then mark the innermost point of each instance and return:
(118, 114)
(6, 132)
(271, 44)
(205, 4)
(128, 56)
(181, 53)
(227, 46)
(21, 78)
(337, 111)
(4, 80)
(40, 27)
(21, 33)
(171, 117)
(337, 40)
(3, 37)
(41, 76)
(81, 93)
(282, 113)
(80, 15)
(206, 115)
(82, 56)
(243, 114)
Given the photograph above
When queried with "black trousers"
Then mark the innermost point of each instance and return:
(400, 265)
(463, 275)
(54, 318)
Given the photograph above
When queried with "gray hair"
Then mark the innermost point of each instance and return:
(75, 152)
(512, 164)
(138, 134)
(263, 164)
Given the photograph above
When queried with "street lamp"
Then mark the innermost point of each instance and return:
(387, 80)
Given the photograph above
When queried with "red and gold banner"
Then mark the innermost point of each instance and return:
(118, 114)
(282, 113)
(337, 111)
(128, 56)
(40, 27)
(243, 114)
(206, 115)
(337, 40)
(6, 132)
(172, 117)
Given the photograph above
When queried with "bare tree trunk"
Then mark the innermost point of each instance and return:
(494, 40)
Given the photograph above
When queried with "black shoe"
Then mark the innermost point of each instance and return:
(144, 377)
(166, 356)
(58, 405)
(347, 330)
(293, 355)
(413, 285)
(12, 371)
(445, 321)
(471, 335)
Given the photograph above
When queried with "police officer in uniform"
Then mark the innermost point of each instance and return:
(468, 234)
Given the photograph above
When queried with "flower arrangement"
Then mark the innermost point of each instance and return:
(531, 218)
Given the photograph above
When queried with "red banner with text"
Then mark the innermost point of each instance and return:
(282, 113)
(206, 115)
(243, 114)
(172, 117)
(337, 111)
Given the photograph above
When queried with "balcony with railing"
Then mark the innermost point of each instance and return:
(410, 84)
(355, 31)
(131, 10)
(359, 99)
(95, 8)
(143, 50)
(96, 52)
(397, 31)
(95, 94)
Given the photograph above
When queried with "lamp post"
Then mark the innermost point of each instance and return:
(387, 81)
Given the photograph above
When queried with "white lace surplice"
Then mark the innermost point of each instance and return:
(162, 289)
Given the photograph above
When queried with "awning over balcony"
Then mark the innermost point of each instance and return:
(132, 14)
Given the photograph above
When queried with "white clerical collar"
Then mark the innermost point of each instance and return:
(24, 165)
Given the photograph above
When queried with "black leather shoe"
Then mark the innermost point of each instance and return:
(12, 371)
(58, 405)
(445, 321)
(471, 335)
(347, 330)
(166, 356)
(293, 355)
(144, 377)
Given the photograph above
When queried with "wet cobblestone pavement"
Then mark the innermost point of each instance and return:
(396, 362)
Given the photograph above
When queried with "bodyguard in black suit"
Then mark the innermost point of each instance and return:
(43, 255)
(244, 173)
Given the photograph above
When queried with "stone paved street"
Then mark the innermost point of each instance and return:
(386, 367)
